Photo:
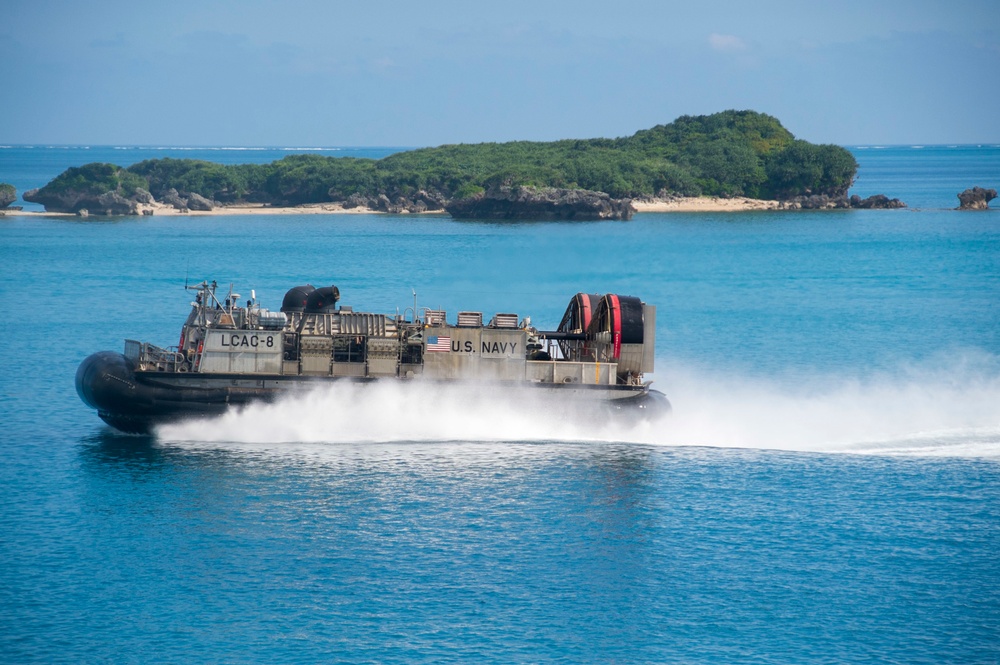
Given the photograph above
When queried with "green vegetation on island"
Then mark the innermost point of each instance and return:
(732, 153)
(102, 187)
(96, 179)
(7, 194)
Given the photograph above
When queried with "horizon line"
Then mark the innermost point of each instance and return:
(334, 148)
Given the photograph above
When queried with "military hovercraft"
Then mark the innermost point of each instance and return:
(231, 354)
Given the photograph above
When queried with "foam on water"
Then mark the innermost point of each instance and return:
(393, 411)
(929, 411)
(920, 411)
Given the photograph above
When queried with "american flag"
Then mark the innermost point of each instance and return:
(439, 343)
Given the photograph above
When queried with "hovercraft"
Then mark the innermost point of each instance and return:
(231, 354)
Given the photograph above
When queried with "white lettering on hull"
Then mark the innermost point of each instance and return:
(244, 342)
(499, 348)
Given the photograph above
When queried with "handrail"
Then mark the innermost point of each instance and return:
(144, 354)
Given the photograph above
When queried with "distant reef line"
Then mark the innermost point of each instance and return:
(736, 159)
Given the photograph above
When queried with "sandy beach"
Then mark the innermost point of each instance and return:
(163, 210)
(680, 204)
(704, 204)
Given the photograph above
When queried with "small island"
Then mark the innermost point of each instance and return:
(743, 159)
(7, 195)
(976, 198)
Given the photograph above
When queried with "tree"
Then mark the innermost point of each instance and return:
(7, 194)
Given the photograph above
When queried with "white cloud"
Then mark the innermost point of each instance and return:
(726, 43)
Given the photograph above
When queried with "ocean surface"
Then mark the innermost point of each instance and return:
(827, 489)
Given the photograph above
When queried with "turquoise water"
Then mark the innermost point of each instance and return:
(926, 177)
(827, 489)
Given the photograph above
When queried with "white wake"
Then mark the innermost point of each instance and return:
(950, 409)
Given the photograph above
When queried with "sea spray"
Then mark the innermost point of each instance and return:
(394, 411)
(936, 409)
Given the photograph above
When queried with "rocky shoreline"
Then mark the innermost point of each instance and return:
(502, 202)
(540, 203)
(665, 205)
(742, 204)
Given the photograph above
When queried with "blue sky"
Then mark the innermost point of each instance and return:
(322, 73)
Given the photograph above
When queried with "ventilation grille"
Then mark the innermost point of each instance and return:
(504, 321)
(435, 317)
(470, 319)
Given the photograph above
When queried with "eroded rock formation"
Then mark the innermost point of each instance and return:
(540, 203)
(421, 201)
(976, 198)
(880, 201)
(71, 200)
(198, 202)
(824, 202)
